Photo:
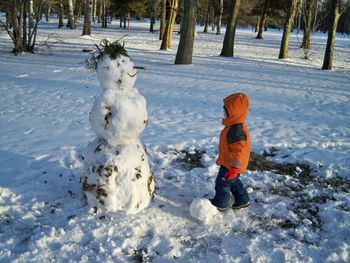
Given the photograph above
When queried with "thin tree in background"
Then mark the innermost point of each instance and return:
(169, 28)
(48, 10)
(103, 13)
(60, 13)
(309, 10)
(30, 13)
(292, 8)
(94, 9)
(71, 21)
(162, 19)
(262, 19)
(219, 16)
(78, 9)
(152, 14)
(335, 14)
(188, 26)
(229, 40)
(207, 16)
(87, 17)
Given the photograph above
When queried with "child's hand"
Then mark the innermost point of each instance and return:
(232, 173)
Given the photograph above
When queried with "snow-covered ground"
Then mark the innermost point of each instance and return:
(298, 110)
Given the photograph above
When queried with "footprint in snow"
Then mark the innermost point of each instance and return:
(30, 131)
(22, 76)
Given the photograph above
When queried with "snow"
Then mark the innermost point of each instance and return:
(296, 108)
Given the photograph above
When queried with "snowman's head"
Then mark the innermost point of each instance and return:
(114, 68)
(116, 74)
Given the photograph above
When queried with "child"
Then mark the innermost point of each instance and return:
(234, 152)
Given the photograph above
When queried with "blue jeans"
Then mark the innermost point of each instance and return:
(224, 187)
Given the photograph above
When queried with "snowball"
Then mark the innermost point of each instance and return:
(203, 210)
(119, 117)
(117, 74)
(117, 177)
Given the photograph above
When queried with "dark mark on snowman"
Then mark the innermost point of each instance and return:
(98, 148)
(107, 117)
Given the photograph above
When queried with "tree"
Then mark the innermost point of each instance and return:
(344, 20)
(228, 45)
(292, 7)
(103, 13)
(218, 6)
(87, 17)
(335, 14)
(169, 28)
(207, 15)
(152, 14)
(162, 19)
(48, 10)
(60, 13)
(71, 21)
(18, 26)
(185, 49)
(78, 9)
(219, 17)
(308, 13)
(262, 19)
(94, 8)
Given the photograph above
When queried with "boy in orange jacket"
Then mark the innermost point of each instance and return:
(234, 153)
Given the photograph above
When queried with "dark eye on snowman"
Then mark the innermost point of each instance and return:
(106, 67)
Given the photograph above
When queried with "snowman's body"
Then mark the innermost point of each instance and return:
(117, 174)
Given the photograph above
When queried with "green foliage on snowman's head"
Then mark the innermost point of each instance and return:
(105, 48)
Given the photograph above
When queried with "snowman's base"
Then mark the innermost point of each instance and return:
(117, 177)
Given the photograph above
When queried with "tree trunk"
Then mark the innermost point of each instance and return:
(87, 17)
(308, 14)
(15, 17)
(48, 10)
(257, 25)
(168, 33)
(152, 14)
(60, 14)
(162, 19)
(71, 21)
(207, 17)
(24, 10)
(104, 14)
(30, 13)
(262, 19)
(219, 18)
(287, 28)
(129, 21)
(185, 49)
(93, 11)
(77, 9)
(100, 11)
(229, 40)
(335, 14)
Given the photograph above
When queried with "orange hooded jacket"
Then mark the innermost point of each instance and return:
(234, 144)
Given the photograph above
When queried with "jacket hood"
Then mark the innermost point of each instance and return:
(237, 106)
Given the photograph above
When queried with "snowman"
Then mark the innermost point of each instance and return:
(117, 174)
